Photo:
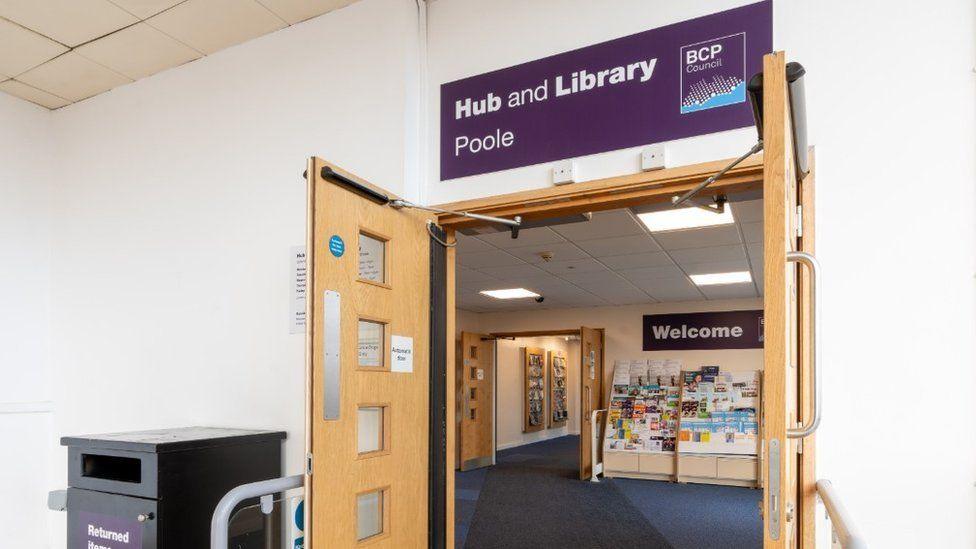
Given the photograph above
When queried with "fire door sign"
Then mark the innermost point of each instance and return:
(701, 331)
(672, 82)
(98, 531)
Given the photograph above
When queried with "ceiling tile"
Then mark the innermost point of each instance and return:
(34, 95)
(603, 225)
(212, 25)
(594, 279)
(73, 77)
(753, 232)
(729, 291)
(619, 245)
(22, 49)
(515, 273)
(138, 51)
(468, 244)
(527, 237)
(490, 258)
(671, 289)
(623, 295)
(586, 300)
(718, 267)
(296, 11)
(71, 22)
(561, 251)
(698, 238)
(712, 253)
(573, 266)
(553, 286)
(471, 275)
(144, 9)
(651, 273)
(750, 210)
(636, 261)
(755, 250)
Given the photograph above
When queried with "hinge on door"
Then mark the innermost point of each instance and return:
(799, 221)
(308, 464)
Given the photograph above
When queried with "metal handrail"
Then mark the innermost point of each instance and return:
(811, 262)
(221, 517)
(842, 525)
(595, 468)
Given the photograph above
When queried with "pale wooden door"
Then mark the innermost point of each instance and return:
(369, 336)
(782, 349)
(476, 375)
(591, 393)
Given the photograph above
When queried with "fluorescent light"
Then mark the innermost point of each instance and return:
(684, 218)
(511, 293)
(712, 279)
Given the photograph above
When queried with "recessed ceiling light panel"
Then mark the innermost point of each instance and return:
(684, 218)
(713, 279)
(510, 293)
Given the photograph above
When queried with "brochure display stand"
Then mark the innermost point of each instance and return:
(642, 419)
(718, 432)
(558, 385)
(689, 426)
(535, 389)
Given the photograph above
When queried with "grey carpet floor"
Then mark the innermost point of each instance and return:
(533, 498)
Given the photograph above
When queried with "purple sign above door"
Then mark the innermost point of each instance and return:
(667, 83)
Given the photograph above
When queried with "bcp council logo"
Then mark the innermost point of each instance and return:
(713, 73)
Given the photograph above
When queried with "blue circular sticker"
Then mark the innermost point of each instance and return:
(300, 516)
(337, 246)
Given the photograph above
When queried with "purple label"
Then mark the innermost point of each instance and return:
(97, 531)
(668, 83)
(698, 331)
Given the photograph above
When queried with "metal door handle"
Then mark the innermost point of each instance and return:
(808, 427)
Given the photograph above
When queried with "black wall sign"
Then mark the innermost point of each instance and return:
(697, 331)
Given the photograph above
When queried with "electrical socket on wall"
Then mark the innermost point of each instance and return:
(564, 172)
(654, 157)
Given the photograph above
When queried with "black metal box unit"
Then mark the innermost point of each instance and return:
(158, 489)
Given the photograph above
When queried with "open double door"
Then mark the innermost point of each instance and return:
(380, 333)
(475, 398)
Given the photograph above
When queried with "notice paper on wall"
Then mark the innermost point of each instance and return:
(299, 285)
(401, 354)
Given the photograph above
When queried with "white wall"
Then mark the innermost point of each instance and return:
(177, 200)
(25, 318)
(891, 111)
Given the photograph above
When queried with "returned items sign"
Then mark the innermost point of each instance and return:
(700, 331)
(668, 83)
(97, 531)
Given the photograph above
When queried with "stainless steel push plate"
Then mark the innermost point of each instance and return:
(331, 342)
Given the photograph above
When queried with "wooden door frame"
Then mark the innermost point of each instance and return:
(647, 188)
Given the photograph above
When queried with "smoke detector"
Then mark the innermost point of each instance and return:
(546, 256)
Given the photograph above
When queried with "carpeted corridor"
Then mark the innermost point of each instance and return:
(532, 498)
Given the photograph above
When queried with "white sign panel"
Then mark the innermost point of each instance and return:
(401, 354)
(299, 276)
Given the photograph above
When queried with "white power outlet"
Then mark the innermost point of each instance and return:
(654, 157)
(564, 172)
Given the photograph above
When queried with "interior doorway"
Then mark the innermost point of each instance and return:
(607, 269)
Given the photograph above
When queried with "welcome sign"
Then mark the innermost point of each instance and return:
(678, 81)
(701, 331)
